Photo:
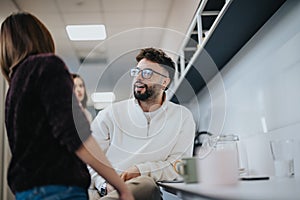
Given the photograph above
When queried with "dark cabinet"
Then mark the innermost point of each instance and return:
(219, 30)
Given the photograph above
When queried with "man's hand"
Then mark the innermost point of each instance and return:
(130, 173)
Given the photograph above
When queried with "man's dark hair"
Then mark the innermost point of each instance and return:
(160, 57)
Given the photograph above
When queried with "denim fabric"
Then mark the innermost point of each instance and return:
(53, 192)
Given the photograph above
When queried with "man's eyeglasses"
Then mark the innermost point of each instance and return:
(146, 73)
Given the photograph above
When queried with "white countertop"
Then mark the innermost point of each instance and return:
(274, 188)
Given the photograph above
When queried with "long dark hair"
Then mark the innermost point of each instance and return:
(85, 97)
(22, 34)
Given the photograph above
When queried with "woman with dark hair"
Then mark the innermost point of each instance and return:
(49, 135)
(81, 95)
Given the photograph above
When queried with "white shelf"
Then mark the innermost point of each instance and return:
(196, 28)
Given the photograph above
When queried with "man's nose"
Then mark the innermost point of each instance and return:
(139, 76)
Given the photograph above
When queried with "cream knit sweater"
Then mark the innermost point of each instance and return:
(128, 138)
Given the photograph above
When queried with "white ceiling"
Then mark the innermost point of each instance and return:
(130, 25)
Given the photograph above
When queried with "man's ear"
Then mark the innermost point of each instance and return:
(166, 82)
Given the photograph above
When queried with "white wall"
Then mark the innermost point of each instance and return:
(5, 193)
(262, 88)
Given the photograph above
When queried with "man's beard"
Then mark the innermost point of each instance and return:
(150, 93)
(143, 96)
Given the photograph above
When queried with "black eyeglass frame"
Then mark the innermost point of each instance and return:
(146, 69)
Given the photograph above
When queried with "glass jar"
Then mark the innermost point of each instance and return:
(219, 162)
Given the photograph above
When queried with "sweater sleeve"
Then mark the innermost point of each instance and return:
(100, 131)
(164, 170)
(66, 119)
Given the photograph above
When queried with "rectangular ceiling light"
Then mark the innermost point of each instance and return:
(86, 32)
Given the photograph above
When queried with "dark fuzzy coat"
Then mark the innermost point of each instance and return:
(43, 135)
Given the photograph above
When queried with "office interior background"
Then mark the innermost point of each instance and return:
(252, 93)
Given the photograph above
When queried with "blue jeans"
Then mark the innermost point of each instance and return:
(53, 192)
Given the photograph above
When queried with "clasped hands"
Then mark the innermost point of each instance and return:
(128, 174)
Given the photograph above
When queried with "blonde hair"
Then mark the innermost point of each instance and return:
(22, 34)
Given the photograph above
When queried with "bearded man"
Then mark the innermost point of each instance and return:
(144, 136)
